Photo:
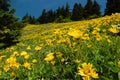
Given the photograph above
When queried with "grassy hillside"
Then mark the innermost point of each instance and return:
(82, 50)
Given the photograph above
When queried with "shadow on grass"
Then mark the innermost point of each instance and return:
(5, 45)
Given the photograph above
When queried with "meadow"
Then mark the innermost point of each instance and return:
(81, 50)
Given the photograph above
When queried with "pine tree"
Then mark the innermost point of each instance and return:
(117, 5)
(88, 9)
(112, 6)
(51, 16)
(63, 11)
(32, 19)
(80, 8)
(25, 18)
(67, 12)
(28, 19)
(77, 12)
(58, 12)
(96, 8)
(4, 5)
(9, 25)
(43, 18)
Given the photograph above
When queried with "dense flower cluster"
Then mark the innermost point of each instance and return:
(87, 71)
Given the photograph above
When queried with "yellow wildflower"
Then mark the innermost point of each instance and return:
(104, 30)
(114, 29)
(27, 56)
(108, 40)
(37, 48)
(75, 33)
(119, 64)
(94, 74)
(11, 60)
(59, 54)
(89, 46)
(95, 32)
(42, 78)
(27, 65)
(28, 47)
(52, 62)
(85, 37)
(98, 38)
(49, 42)
(86, 78)
(97, 28)
(106, 36)
(2, 58)
(1, 52)
(15, 53)
(49, 57)
(0, 72)
(12, 74)
(6, 68)
(62, 60)
(34, 61)
(61, 41)
(23, 53)
(87, 71)
(12, 63)
(77, 61)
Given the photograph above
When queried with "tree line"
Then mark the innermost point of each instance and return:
(64, 13)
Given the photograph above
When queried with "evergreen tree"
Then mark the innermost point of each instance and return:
(4, 5)
(67, 12)
(112, 6)
(29, 19)
(77, 12)
(43, 18)
(88, 9)
(51, 16)
(9, 25)
(25, 18)
(117, 6)
(63, 11)
(58, 12)
(96, 8)
(32, 19)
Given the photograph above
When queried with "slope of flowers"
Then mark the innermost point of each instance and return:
(82, 50)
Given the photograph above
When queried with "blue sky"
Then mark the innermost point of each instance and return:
(35, 7)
